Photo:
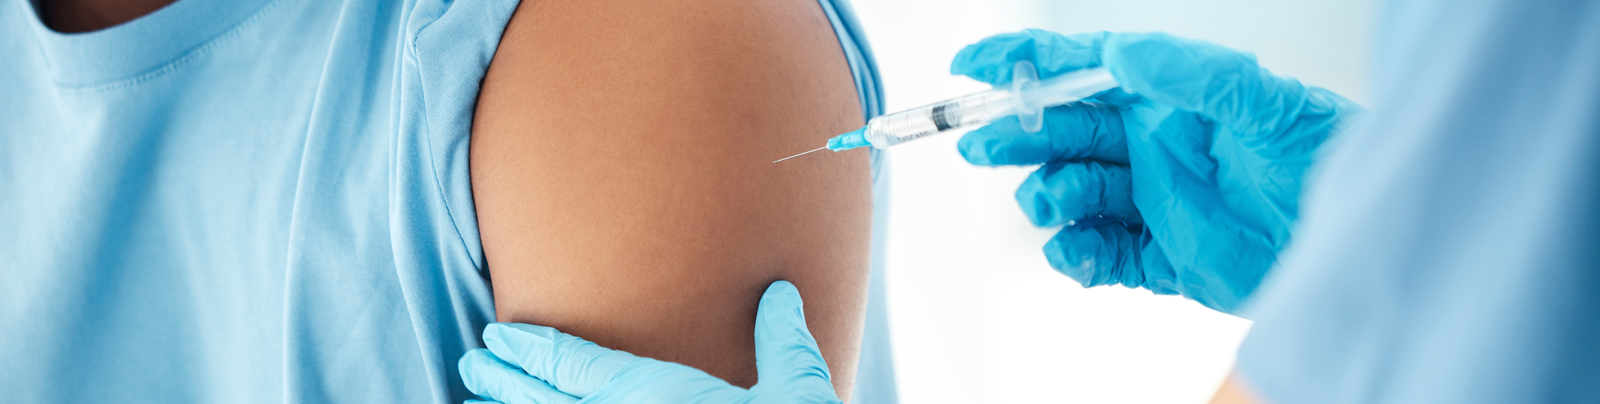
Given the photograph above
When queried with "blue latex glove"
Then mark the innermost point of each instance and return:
(533, 364)
(1189, 185)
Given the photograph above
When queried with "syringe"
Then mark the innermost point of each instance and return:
(1027, 98)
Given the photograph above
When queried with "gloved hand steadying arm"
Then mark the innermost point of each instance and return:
(533, 364)
(1189, 185)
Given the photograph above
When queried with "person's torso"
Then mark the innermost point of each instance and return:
(235, 201)
(260, 201)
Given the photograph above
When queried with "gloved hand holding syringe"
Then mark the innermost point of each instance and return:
(1027, 98)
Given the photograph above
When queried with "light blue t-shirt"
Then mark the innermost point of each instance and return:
(252, 201)
(1449, 250)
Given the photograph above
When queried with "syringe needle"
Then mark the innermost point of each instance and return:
(801, 154)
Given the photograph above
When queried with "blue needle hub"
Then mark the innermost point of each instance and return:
(850, 140)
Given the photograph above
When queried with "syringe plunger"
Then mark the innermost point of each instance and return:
(1026, 98)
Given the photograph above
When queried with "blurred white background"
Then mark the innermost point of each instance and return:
(976, 313)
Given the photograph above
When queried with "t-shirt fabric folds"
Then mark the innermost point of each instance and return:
(254, 201)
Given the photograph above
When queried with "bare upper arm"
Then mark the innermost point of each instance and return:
(621, 171)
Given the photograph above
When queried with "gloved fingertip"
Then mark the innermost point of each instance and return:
(966, 63)
(516, 331)
(962, 62)
(1036, 202)
(990, 59)
(786, 352)
(1004, 143)
(473, 357)
(477, 363)
(507, 340)
(976, 148)
(1072, 252)
(781, 295)
(1144, 64)
(496, 333)
(1191, 75)
(466, 366)
(780, 313)
(497, 328)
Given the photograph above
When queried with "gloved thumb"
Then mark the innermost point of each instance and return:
(787, 357)
(1219, 83)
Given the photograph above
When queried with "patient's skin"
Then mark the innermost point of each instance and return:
(93, 15)
(621, 167)
(619, 178)
(1235, 390)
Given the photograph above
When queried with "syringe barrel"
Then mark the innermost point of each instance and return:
(971, 110)
(1071, 87)
(1027, 98)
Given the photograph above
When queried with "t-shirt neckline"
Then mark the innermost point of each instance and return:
(143, 47)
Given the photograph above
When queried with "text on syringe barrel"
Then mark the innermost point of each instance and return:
(975, 109)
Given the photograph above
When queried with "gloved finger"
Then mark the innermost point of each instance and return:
(1222, 84)
(570, 364)
(786, 353)
(1107, 254)
(991, 59)
(1071, 132)
(487, 376)
(1061, 193)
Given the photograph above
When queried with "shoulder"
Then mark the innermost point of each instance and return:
(625, 83)
(690, 48)
(622, 153)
